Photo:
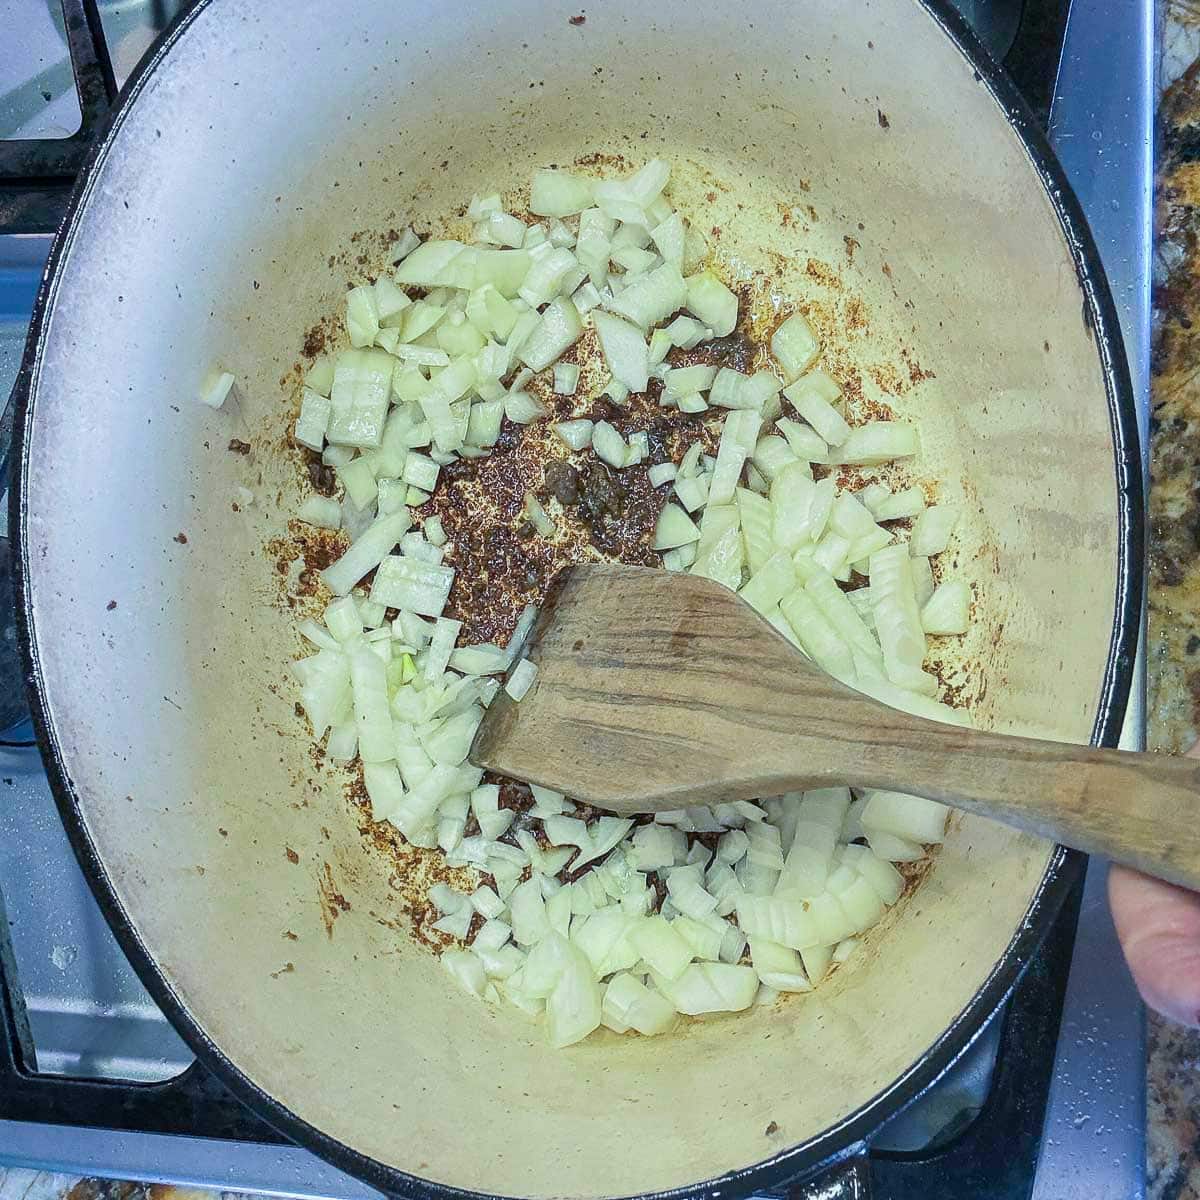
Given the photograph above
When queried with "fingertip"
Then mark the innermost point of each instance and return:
(1159, 929)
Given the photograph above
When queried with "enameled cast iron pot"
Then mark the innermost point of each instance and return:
(953, 272)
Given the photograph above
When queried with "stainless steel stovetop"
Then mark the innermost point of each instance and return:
(89, 1016)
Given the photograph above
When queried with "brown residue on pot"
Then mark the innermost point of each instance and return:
(333, 903)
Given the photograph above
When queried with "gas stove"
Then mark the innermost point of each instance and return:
(1047, 1103)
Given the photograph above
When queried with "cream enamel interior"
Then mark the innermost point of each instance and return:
(249, 158)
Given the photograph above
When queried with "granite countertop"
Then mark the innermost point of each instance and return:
(1173, 648)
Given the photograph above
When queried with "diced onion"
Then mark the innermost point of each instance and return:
(813, 396)
(609, 445)
(624, 348)
(910, 817)
(712, 303)
(322, 512)
(559, 193)
(877, 442)
(576, 434)
(419, 587)
(521, 679)
(674, 528)
(932, 529)
(794, 346)
(428, 382)
(948, 610)
(907, 503)
(558, 329)
(713, 987)
(216, 390)
(366, 552)
(566, 378)
(651, 297)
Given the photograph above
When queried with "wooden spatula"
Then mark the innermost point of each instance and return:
(656, 690)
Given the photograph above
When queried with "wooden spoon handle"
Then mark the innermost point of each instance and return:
(1139, 809)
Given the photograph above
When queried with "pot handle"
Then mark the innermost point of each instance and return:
(37, 175)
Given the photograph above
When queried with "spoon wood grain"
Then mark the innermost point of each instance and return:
(657, 689)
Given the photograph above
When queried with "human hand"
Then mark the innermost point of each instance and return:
(1159, 928)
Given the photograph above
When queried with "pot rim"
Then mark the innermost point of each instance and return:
(1065, 867)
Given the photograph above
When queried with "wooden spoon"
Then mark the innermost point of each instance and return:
(657, 689)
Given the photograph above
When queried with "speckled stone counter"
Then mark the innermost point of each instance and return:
(1173, 1076)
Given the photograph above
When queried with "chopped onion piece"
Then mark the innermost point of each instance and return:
(315, 411)
(466, 969)
(624, 348)
(366, 552)
(408, 583)
(910, 817)
(359, 481)
(576, 434)
(794, 346)
(362, 383)
(738, 438)
(817, 636)
(770, 583)
(948, 610)
(558, 329)
(877, 442)
(755, 518)
(932, 529)
(445, 634)
(566, 378)
(368, 678)
(908, 503)
(630, 1003)
(573, 1007)
(610, 446)
(633, 260)
(813, 396)
(679, 558)
(321, 512)
(674, 528)
(431, 264)
(652, 297)
(545, 277)
(521, 679)
(216, 389)
(894, 849)
(713, 987)
(362, 315)
(712, 302)
(522, 409)
(682, 381)
(433, 531)
(536, 514)
(319, 377)
(661, 947)
(686, 332)
(559, 194)
(778, 966)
